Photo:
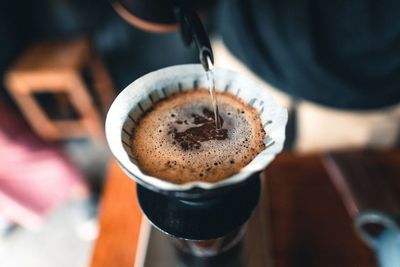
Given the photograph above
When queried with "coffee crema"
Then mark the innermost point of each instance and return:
(177, 139)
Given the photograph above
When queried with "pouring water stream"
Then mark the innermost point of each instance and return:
(213, 93)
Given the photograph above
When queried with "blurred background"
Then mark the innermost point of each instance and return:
(50, 180)
(334, 66)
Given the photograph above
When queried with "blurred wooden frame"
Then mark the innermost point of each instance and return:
(56, 67)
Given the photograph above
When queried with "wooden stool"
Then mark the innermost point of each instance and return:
(57, 68)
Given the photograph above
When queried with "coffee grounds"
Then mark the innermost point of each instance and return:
(177, 140)
(192, 137)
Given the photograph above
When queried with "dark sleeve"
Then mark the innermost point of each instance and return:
(343, 54)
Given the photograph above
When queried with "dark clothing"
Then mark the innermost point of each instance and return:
(342, 53)
(127, 51)
(339, 53)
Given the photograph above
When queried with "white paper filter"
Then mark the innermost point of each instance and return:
(142, 93)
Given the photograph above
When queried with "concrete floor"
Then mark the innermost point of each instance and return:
(65, 240)
(67, 237)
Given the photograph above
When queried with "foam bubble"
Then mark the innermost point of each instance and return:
(160, 155)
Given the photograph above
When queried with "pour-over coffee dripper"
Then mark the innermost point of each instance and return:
(195, 211)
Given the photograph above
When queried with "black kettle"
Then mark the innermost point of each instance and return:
(170, 15)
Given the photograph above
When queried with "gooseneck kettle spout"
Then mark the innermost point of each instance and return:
(164, 15)
(192, 30)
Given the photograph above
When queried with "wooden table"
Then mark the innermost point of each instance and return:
(308, 223)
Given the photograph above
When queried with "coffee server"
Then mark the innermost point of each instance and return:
(205, 220)
(205, 224)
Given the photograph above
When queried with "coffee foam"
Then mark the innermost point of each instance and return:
(159, 155)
